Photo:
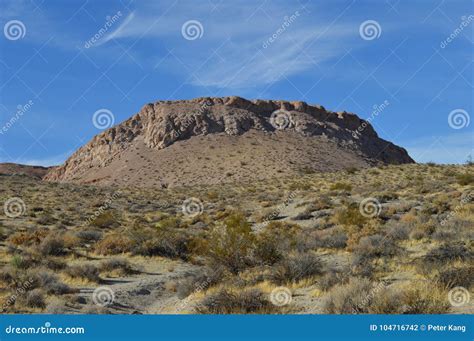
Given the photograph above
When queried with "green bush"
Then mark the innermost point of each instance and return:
(231, 245)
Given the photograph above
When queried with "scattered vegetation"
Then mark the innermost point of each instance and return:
(306, 234)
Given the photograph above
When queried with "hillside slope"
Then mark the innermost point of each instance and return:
(214, 140)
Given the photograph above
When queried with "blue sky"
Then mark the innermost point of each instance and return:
(415, 56)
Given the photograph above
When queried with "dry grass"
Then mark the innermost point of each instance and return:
(306, 233)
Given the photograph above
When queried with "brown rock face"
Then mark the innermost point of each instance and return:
(209, 140)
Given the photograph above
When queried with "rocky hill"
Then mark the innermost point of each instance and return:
(215, 140)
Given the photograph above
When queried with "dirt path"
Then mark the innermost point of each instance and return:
(149, 292)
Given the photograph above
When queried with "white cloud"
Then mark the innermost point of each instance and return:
(231, 52)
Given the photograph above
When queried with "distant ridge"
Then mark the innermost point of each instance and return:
(17, 169)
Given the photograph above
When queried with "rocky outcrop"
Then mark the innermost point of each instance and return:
(164, 123)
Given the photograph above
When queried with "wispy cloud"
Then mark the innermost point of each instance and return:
(235, 49)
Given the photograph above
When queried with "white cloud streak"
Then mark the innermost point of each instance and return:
(231, 53)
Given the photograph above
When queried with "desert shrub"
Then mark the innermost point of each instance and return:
(375, 246)
(351, 170)
(167, 244)
(117, 264)
(113, 244)
(21, 262)
(424, 298)
(53, 263)
(57, 306)
(85, 271)
(386, 196)
(386, 301)
(465, 179)
(230, 245)
(359, 296)
(350, 215)
(274, 242)
(28, 238)
(297, 267)
(89, 235)
(227, 302)
(423, 230)
(355, 233)
(448, 253)
(321, 203)
(46, 219)
(397, 231)
(341, 186)
(104, 219)
(52, 245)
(305, 215)
(34, 299)
(454, 229)
(49, 282)
(58, 288)
(332, 278)
(169, 222)
(8, 275)
(200, 281)
(451, 277)
(351, 298)
(336, 239)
